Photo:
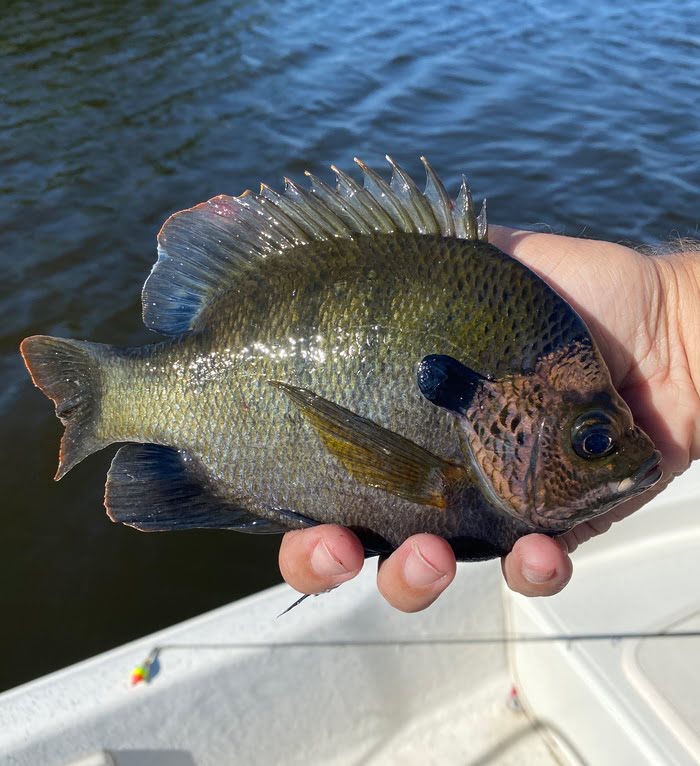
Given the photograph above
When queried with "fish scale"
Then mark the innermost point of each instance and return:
(327, 363)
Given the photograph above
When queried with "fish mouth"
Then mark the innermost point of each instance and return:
(648, 473)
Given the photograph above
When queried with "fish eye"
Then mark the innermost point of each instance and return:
(593, 435)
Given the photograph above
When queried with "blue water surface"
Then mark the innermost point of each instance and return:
(581, 117)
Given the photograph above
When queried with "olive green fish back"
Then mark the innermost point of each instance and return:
(205, 253)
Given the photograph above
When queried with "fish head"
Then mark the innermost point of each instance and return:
(558, 445)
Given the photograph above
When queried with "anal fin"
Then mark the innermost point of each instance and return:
(155, 489)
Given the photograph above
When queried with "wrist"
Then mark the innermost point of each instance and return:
(679, 276)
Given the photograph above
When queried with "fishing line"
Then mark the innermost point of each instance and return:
(146, 670)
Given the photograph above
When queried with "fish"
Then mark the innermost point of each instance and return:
(356, 354)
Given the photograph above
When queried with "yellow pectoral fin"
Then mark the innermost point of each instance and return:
(374, 455)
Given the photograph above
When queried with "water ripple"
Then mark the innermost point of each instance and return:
(580, 116)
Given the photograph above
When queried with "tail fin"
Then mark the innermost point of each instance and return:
(67, 371)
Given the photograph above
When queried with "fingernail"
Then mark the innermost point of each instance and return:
(418, 571)
(324, 563)
(537, 576)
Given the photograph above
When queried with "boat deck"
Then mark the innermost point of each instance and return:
(344, 679)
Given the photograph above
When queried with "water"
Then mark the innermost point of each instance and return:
(581, 117)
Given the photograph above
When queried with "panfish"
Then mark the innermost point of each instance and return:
(358, 355)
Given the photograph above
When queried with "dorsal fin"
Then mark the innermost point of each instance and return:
(201, 250)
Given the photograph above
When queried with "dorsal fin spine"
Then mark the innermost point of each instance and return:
(303, 215)
(335, 202)
(482, 228)
(378, 187)
(356, 196)
(202, 250)
(400, 180)
(465, 211)
(439, 200)
(333, 225)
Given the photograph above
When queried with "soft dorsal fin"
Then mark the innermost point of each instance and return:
(201, 250)
(374, 455)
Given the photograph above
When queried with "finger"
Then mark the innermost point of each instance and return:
(316, 559)
(417, 572)
(537, 566)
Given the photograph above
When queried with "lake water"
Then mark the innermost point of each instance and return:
(582, 117)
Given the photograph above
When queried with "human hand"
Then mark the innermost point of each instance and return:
(644, 313)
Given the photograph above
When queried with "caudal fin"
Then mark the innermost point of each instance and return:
(67, 371)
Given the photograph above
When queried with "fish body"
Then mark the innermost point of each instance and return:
(353, 356)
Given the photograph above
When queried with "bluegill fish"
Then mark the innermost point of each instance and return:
(359, 355)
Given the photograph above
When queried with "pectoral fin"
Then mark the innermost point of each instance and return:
(374, 455)
(448, 383)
